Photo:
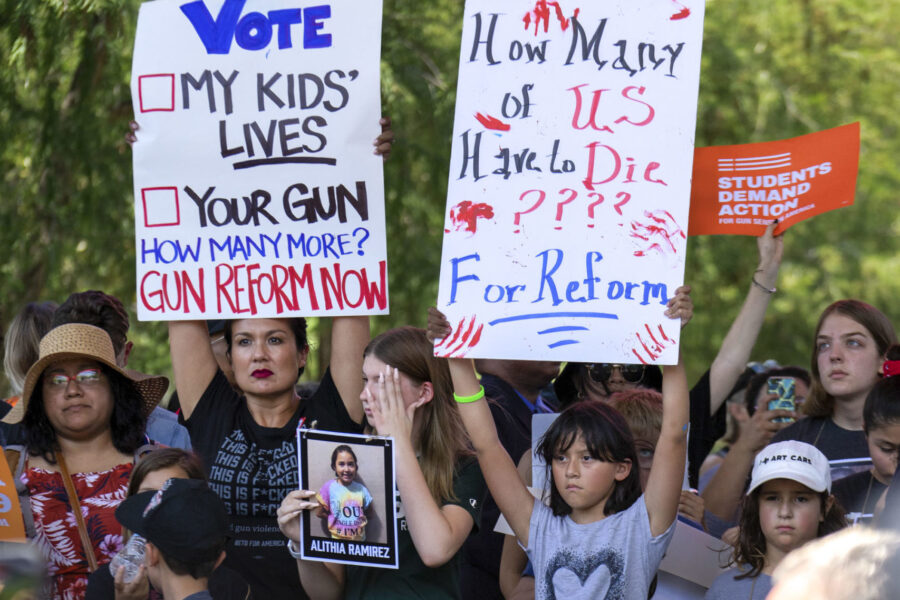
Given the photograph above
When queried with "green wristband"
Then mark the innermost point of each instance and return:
(473, 398)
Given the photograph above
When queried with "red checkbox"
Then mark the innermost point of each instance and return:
(160, 206)
(156, 93)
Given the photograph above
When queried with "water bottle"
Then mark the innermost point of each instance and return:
(131, 557)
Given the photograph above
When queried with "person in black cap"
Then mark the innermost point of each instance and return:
(186, 528)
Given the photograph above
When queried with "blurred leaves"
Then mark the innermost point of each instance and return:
(770, 71)
(782, 69)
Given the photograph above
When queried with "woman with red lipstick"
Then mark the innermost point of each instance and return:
(849, 347)
(248, 441)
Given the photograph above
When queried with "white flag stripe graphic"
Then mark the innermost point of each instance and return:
(756, 163)
(756, 158)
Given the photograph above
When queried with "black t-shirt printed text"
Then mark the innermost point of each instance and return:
(252, 468)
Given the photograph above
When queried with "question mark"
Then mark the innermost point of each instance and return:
(541, 196)
(559, 206)
(625, 200)
(593, 205)
(360, 242)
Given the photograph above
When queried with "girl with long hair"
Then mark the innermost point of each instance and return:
(788, 504)
(849, 346)
(598, 521)
(344, 501)
(408, 395)
(848, 349)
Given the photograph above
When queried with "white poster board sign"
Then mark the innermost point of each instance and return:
(567, 206)
(257, 193)
(695, 555)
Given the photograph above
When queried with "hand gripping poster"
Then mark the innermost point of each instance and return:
(570, 174)
(257, 193)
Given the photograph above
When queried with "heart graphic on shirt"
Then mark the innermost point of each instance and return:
(570, 574)
(569, 585)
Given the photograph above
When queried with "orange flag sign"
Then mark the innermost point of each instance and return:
(741, 189)
(12, 527)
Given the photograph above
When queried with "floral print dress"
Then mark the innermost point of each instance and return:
(57, 532)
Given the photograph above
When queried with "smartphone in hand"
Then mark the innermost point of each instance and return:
(783, 387)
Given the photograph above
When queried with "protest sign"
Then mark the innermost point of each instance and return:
(354, 479)
(257, 193)
(567, 203)
(741, 189)
(12, 527)
(700, 557)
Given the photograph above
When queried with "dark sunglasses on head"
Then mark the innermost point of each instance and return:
(601, 372)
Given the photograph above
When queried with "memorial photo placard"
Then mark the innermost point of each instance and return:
(353, 476)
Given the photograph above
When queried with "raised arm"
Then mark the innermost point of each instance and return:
(437, 531)
(509, 492)
(513, 559)
(741, 337)
(349, 336)
(193, 362)
(667, 473)
(507, 489)
(663, 490)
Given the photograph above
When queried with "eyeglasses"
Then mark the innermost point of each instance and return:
(85, 377)
(601, 372)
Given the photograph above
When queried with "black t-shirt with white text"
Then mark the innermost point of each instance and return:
(252, 468)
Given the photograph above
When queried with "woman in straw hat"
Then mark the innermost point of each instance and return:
(83, 425)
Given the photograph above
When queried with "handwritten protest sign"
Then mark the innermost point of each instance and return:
(257, 193)
(570, 174)
(740, 189)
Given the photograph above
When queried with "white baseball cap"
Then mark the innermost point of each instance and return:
(794, 460)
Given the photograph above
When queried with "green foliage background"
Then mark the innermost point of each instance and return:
(770, 70)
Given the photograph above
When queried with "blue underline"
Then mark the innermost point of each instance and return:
(587, 315)
(564, 328)
(562, 343)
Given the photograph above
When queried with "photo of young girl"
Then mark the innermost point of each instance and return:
(344, 501)
(789, 503)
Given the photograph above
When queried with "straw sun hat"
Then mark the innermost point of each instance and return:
(78, 340)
